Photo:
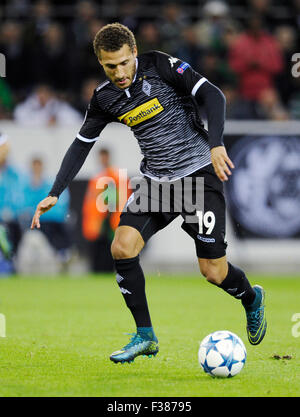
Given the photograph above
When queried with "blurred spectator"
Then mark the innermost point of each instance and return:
(128, 14)
(42, 108)
(296, 17)
(256, 58)
(215, 33)
(294, 102)
(83, 60)
(6, 263)
(86, 11)
(98, 227)
(50, 57)
(17, 57)
(11, 201)
(171, 25)
(86, 93)
(188, 49)
(53, 222)
(6, 100)
(148, 38)
(263, 9)
(286, 37)
(270, 107)
(16, 9)
(221, 45)
(215, 69)
(39, 22)
(237, 108)
(210, 28)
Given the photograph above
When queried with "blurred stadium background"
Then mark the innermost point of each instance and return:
(244, 47)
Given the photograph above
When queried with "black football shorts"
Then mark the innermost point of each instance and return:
(206, 224)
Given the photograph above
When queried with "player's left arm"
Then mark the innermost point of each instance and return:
(93, 124)
(187, 81)
(215, 104)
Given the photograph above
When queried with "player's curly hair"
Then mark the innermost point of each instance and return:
(112, 37)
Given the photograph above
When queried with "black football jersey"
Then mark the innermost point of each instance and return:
(160, 109)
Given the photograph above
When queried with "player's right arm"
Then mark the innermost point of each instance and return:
(94, 122)
(42, 207)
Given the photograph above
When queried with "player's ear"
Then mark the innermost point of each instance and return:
(99, 57)
(135, 52)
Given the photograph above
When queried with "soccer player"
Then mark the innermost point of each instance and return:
(158, 97)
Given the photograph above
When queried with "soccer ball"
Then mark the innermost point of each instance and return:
(222, 354)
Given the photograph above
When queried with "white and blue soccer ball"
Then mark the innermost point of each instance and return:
(222, 354)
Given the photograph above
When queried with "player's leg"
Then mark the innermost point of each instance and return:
(211, 252)
(133, 231)
(228, 277)
(125, 249)
(234, 281)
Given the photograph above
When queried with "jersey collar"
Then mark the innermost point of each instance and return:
(134, 78)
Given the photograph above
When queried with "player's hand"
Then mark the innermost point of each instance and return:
(42, 207)
(221, 162)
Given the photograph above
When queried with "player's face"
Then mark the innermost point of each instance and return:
(119, 66)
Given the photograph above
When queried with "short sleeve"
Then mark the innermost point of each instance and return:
(178, 73)
(94, 122)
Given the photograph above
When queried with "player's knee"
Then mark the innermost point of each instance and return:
(127, 243)
(214, 277)
(119, 250)
(122, 250)
(212, 273)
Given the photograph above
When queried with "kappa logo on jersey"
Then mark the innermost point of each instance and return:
(141, 113)
(182, 67)
(173, 61)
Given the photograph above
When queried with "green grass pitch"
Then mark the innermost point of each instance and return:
(61, 331)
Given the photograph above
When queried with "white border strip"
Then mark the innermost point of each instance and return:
(262, 127)
(86, 139)
(197, 85)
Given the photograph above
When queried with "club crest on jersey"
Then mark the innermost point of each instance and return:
(146, 87)
(182, 67)
(141, 113)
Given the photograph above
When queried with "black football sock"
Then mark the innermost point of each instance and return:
(237, 285)
(131, 280)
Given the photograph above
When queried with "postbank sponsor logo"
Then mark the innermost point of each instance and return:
(141, 113)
